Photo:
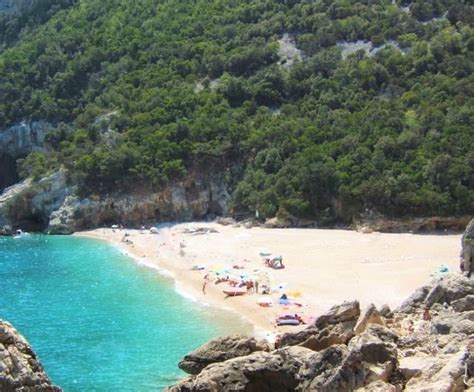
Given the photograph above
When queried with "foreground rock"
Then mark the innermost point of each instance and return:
(219, 350)
(336, 368)
(426, 345)
(20, 370)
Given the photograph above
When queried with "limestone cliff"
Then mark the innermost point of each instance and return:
(16, 142)
(53, 205)
(28, 205)
(20, 369)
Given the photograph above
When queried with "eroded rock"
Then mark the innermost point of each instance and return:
(219, 350)
(370, 316)
(20, 369)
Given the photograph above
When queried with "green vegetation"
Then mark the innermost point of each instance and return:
(148, 91)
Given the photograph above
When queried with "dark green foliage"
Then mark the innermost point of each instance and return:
(145, 92)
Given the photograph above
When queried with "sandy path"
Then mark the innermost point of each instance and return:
(327, 266)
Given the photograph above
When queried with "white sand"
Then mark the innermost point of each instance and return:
(327, 266)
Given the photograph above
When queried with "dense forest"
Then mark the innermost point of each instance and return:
(148, 91)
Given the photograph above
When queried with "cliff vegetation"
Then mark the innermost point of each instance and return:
(323, 109)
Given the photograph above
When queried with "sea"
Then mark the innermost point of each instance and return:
(98, 320)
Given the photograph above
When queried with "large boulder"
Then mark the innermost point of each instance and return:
(258, 372)
(450, 288)
(347, 311)
(442, 373)
(317, 339)
(365, 360)
(464, 304)
(219, 350)
(333, 327)
(20, 369)
(445, 289)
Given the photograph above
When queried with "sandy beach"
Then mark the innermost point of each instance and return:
(322, 267)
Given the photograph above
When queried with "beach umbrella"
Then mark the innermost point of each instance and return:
(294, 293)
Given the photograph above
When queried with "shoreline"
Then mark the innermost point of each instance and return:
(326, 266)
(181, 287)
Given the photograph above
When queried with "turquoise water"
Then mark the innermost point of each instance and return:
(97, 320)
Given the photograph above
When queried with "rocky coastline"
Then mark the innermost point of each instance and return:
(425, 345)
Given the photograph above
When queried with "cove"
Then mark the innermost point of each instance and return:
(97, 320)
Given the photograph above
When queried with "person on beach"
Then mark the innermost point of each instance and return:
(204, 286)
(426, 314)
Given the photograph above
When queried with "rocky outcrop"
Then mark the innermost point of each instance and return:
(196, 198)
(426, 345)
(28, 205)
(219, 350)
(17, 142)
(414, 225)
(446, 289)
(370, 316)
(52, 205)
(336, 368)
(334, 327)
(20, 369)
(467, 249)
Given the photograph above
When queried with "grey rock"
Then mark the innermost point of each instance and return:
(464, 304)
(219, 350)
(369, 316)
(465, 327)
(383, 333)
(415, 300)
(347, 311)
(450, 288)
(385, 311)
(380, 386)
(258, 372)
(183, 201)
(28, 205)
(441, 373)
(317, 339)
(20, 369)
(16, 142)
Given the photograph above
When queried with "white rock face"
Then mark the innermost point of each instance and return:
(288, 52)
(23, 138)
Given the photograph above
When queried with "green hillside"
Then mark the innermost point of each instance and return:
(148, 91)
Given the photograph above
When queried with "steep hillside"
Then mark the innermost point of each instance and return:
(325, 109)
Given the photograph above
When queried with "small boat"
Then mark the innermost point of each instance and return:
(234, 293)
